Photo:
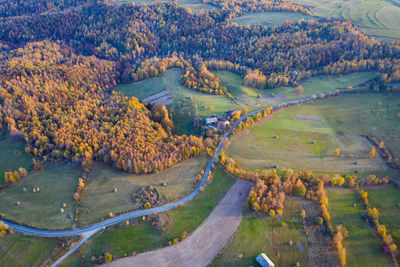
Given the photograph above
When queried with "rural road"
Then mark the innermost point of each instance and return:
(85, 231)
(204, 244)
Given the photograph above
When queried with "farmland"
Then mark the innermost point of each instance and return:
(99, 198)
(304, 137)
(375, 17)
(362, 245)
(12, 155)
(270, 18)
(142, 236)
(42, 208)
(386, 200)
(271, 235)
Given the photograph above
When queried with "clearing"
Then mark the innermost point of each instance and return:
(203, 245)
(12, 155)
(56, 183)
(271, 18)
(362, 246)
(143, 236)
(309, 144)
(258, 234)
(98, 198)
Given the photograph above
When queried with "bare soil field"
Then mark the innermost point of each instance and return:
(204, 244)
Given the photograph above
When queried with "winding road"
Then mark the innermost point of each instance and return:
(88, 231)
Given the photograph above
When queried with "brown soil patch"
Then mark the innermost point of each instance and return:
(273, 99)
(303, 117)
(320, 249)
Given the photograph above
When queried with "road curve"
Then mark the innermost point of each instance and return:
(140, 213)
(204, 244)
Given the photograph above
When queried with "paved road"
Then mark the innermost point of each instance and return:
(204, 244)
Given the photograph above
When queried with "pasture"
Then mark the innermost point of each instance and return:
(304, 137)
(56, 183)
(142, 236)
(270, 18)
(375, 17)
(19, 250)
(386, 199)
(362, 245)
(258, 234)
(12, 155)
(98, 198)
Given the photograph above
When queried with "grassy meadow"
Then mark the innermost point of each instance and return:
(386, 199)
(269, 235)
(12, 155)
(56, 183)
(142, 236)
(362, 246)
(308, 135)
(270, 18)
(19, 250)
(98, 198)
(375, 17)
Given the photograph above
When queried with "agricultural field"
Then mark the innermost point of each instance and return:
(271, 18)
(142, 236)
(386, 199)
(12, 155)
(98, 198)
(56, 183)
(20, 250)
(379, 18)
(269, 235)
(304, 137)
(194, 5)
(362, 245)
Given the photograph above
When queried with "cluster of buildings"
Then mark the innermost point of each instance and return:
(220, 122)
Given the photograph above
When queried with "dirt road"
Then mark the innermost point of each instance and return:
(203, 245)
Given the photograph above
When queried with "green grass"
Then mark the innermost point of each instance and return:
(142, 236)
(270, 18)
(194, 5)
(19, 250)
(98, 198)
(12, 155)
(386, 199)
(57, 183)
(362, 246)
(342, 120)
(375, 17)
(258, 234)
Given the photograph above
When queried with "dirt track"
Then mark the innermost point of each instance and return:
(204, 244)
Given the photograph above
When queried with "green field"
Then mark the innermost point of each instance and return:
(142, 236)
(194, 5)
(18, 250)
(12, 155)
(362, 246)
(263, 234)
(386, 199)
(270, 18)
(57, 183)
(375, 17)
(98, 198)
(333, 123)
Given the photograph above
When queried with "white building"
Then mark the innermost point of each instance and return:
(211, 120)
(264, 261)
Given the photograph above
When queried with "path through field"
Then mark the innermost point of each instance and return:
(204, 244)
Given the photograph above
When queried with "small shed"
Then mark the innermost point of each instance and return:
(211, 120)
(264, 261)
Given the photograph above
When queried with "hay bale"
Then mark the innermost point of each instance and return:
(290, 243)
(64, 205)
(239, 255)
(23, 189)
(115, 190)
(164, 184)
(313, 142)
(37, 189)
(18, 203)
(34, 190)
(62, 210)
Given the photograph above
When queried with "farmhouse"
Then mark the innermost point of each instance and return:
(264, 261)
(211, 120)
